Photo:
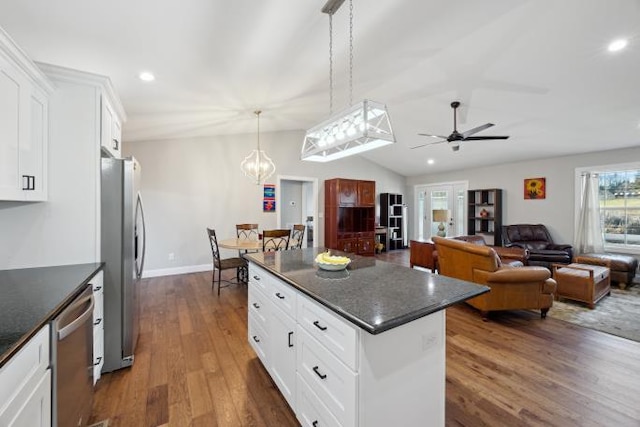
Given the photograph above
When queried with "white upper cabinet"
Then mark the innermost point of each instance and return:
(111, 129)
(24, 92)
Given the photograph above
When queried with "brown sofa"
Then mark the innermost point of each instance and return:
(536, 238)
(513, 257)
(511, 288)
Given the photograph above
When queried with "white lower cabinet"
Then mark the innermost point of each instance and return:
(98, 325)
(332, 373)
(311, 411)
(25, 385)
(283, 354)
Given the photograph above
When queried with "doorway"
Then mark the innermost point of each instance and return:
(297, 203)
(441, 209)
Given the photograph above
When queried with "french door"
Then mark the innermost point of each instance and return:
(441, 209)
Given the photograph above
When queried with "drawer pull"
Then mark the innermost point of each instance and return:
(315, 369)
(290, 335)
(317, 325)
(255, 338)
(97, 322)
(315, 423)
(97, 288)
(255, 304)
(279, 295)
(257, 278)
(99, 359)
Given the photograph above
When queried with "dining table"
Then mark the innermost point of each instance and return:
(241, 244)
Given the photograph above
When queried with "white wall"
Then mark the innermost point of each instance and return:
(556, 211)
(63, 229)
(188, 185)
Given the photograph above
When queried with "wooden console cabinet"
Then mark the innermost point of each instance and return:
(349, 207)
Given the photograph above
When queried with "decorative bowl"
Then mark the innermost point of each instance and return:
(332, 267)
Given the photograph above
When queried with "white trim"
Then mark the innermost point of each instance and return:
(70, 75)
(18, 57)
(314, 181)
(177, 270)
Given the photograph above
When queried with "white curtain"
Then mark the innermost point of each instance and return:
(589, 237)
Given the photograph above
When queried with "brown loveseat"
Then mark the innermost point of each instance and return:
(536, 238)
(511, 288)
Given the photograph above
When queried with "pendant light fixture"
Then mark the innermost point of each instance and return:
(257, 165)
(361, 127)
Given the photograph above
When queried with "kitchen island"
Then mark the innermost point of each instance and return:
(363, 346)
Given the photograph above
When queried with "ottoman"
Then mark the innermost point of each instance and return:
(582, 282)
(623, 267)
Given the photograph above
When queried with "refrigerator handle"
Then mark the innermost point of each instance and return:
(140, 208)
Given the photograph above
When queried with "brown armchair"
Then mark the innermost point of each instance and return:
(536, 238)
(511, 288)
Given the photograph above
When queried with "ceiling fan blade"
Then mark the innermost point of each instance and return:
(433, 136)
(429, 143)
(480, 138)
(476, 130)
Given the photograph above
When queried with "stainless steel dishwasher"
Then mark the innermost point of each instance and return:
(72, 362)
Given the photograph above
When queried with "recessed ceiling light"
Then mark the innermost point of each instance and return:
(430, 161)
(146, 76)
(617, 45)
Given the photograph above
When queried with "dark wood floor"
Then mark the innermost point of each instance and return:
(194, 367)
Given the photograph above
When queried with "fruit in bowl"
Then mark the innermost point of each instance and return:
(326, 261)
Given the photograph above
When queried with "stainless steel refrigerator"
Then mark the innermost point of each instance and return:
(123, 249)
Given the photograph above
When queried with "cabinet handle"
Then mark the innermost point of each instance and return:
(257, 278)
(98, 361)
(315, 369)
(317, 325)
(290, 335)
(97, 288)
(315, 423)
(28, 182)
(279, 295)
(256, 339)
(256, 305)
(115, 144)
(97, 322)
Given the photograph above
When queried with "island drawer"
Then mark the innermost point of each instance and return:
(258, 339)
(333, 382)
(311, 411)
(331, 331)
(258, 305)
(260, 278)
(284, 296)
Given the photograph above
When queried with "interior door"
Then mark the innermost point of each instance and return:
(431, 200)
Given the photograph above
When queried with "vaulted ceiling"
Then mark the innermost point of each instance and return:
(539, 69)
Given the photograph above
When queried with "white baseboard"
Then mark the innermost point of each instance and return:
(177, 270)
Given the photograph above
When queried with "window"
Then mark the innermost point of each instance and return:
(619, 200)
(619, 193)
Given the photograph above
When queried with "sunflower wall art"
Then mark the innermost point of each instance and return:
(535, 188)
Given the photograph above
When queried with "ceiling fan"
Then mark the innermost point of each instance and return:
(456, 137)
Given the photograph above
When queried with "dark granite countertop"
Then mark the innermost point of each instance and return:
(31, 297)
(374, 295)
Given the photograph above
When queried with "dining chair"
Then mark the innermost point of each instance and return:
(297, 236)
(220, 264)
(275, 240)
(247, 231)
